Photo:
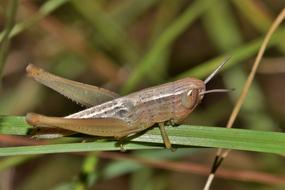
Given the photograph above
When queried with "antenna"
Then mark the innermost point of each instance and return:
(212, 75)
(216, 90)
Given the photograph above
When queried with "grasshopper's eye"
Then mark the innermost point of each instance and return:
(190, 92)
(191, 99)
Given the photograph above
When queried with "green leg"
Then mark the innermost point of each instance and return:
(165, 136)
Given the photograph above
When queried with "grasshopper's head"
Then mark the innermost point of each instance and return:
(193, 96)
(198, 88)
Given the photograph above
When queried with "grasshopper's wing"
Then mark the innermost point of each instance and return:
(84, 94)
(106, 127)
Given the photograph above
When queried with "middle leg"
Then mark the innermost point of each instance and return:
(165, 136)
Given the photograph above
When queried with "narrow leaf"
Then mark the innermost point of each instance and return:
(181, 136)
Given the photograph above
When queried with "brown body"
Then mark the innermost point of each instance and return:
(149, 106)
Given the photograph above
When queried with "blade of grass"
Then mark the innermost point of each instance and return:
(164, 41)
(111, 35)
(45, 9)
(258, 17)
(166, 13)
(88, 175)
(13, 125)
(237, 55)
(128, 11)
(221, 27)
(258, 14)
(185, 135)
(77, 44)
(10, 19)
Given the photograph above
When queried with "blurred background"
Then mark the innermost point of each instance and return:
(128, 45)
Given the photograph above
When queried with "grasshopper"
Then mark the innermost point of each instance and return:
(109, 115)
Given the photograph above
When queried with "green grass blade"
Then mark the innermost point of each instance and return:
(13, 125)
(128, 11)
(89, 172)
(254, 14)
(4, 46)
(184, 135)
(71, 147)
(237, 55)
(221, 27)
(45, 10)
(260, 17)
(164, 41)
(110, 33)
